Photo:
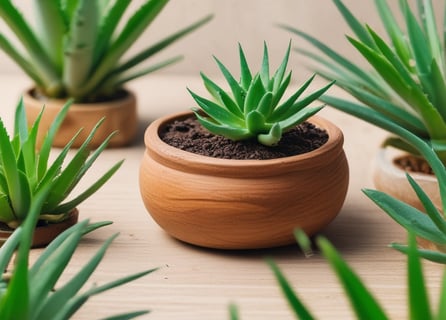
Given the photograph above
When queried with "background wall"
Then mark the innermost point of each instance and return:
(249, 22)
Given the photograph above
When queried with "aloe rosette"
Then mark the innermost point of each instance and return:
(406, 78)
(78, 48)
(255, 109)
(33, 290)
(404, 94)
(25, 170)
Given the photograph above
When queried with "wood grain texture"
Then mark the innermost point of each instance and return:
(198, 284)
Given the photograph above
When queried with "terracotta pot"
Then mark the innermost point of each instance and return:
(119, 115)
(391, 179)
(242, 204)
(43, 235)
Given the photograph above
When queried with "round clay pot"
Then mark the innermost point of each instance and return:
(120, 115)
(391, 179)
(242, 204)
(43, 235)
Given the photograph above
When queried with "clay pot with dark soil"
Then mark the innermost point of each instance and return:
(389, 176)
(45, 232)
(242, 204)
(120, 115)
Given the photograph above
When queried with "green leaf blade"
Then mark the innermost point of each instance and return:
(362, 301)
(418, 300)
(407, 216)
(296, 305)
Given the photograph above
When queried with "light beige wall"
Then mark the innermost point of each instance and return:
(249, 22)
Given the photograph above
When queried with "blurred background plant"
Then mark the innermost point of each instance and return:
(25, 170)
(405, 81)
(77, 49)
(403, 93)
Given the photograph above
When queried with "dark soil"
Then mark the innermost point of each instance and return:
(191, 136)
(413, 164)
(119, 94)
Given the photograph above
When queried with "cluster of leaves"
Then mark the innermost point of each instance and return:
(392, 73)
(254, 110)
(406, 83)
(28, 293)
(77, 48)
(25, 170)
(364, 304)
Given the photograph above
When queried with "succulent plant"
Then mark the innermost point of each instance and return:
(25, 170)
(77, 48)
(364, 304)
(255, 109)
(406, 79)
(34, 292)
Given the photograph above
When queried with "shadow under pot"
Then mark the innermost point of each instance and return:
(242, 204)
(120, 115)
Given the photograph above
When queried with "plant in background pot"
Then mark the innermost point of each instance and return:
(77, 52)
(405, 83)
(402, 94)
(25, 170)
(363, 303)
(35, 292)
(238, 200)
(430, 225)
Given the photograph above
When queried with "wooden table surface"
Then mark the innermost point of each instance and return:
(196, 283)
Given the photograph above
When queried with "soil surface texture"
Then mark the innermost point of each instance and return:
(189, 135)
(413, 164)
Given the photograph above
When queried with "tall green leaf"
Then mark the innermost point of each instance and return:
(79, 48)
(418, 299)
(134, 27)
(363, 303)
(43, 67)
(296, 305)
(51, 31)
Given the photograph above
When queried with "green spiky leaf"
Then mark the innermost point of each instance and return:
(254, 109)
(77, 49)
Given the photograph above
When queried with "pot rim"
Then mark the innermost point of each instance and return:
(384, 160)
(180, 159)
(49, 103)
(43, 235)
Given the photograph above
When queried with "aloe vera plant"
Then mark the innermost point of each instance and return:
(34, 292)
(255, 109)
(25, 170)
(396, 95)
(406, 79)
(78, 47)
(363, 303)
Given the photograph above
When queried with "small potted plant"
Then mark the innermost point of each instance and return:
(404, 84)
(77, 52)
(29, 290)
(255, 195)
(429, 225)
(25, 170)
